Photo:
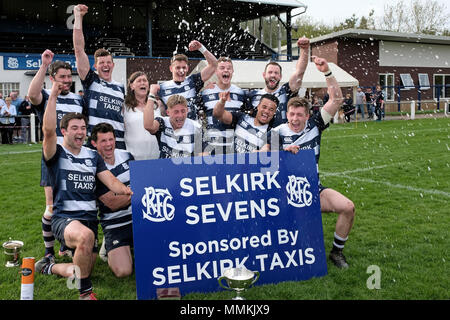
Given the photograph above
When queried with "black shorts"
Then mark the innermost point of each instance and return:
(59, 224)
(321, 188)
(118, 237)
(45, 179)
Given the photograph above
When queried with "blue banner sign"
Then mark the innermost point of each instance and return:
(33, 62)
(193, 218)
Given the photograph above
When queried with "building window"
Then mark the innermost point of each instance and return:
(407, 81)
(7, 87)
(441, 86)
(386, 81)
(424, 81)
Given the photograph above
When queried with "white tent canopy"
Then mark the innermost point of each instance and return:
(248, 74)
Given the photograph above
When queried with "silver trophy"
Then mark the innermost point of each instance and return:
(238, 279)
(12, 252)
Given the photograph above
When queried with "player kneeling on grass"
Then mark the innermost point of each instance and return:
(304, 132)
(114, 209)
(73, 170)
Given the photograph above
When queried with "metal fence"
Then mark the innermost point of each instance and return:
(441, 95)
(25, 129)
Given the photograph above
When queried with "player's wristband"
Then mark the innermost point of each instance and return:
(202, 49)
(328, 74)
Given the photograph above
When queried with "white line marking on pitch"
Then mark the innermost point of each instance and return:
(387, 133)
(387, 183)
(19, 152)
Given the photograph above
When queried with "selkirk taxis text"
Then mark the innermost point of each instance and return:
(291, 256)
(233, 309)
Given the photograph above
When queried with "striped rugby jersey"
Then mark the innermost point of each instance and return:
(283, 93)
(70, 102)
(121, 170)
(184, 142)
(247, 136)
(189, 89)
(219, 136)
(308, 138)
(105, 103)
(73, 178)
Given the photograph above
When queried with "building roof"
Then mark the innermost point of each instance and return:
(284, 3)
(384, 35)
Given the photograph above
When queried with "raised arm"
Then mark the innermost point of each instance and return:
(334, 91)
(295, 81)
(78, 41)
(113, 183)
(150, 124)
(209, 70)
(49, 122)
(35, 88)
(219, 111)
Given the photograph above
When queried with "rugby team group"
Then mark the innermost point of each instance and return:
(89, 141)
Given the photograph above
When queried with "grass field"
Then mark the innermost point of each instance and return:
(396, 172)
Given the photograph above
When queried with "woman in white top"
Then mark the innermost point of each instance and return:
(140, 143)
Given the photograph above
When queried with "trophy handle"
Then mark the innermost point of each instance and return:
(220, 283)
(257, 277)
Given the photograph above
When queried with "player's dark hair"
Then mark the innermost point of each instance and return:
(273, 63)
(298, 102)
(179, 57)
(56, 65)
(70, 116)
(271, 97)
(102, 52)
(130, 98)
(102, 127)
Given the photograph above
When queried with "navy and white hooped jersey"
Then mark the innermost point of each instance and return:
(308, 138)
(189, 89)
(105, 102)
(73, 178)
(121, 170)
(70, 102)
(283, 93)
(247, 136)
(184, 142)
(219, 136)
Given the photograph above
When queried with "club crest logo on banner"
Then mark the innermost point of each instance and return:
(157, 205)
(192, 221)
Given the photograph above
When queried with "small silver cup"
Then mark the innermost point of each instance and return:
(238, 279)
(12, 252)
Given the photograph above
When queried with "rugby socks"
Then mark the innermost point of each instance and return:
(48, 268)
(338, 243)
(47, 234)
(85, 285)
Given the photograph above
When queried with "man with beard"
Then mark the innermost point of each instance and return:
(219, 136)
(272, 77)
(188, 86)
(104, 96)
(249, 132)
(304, 132)
(60, 72)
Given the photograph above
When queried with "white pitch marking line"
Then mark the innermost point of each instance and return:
(387, 133)
(330, 174)
(387, 183)
(19, 152)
